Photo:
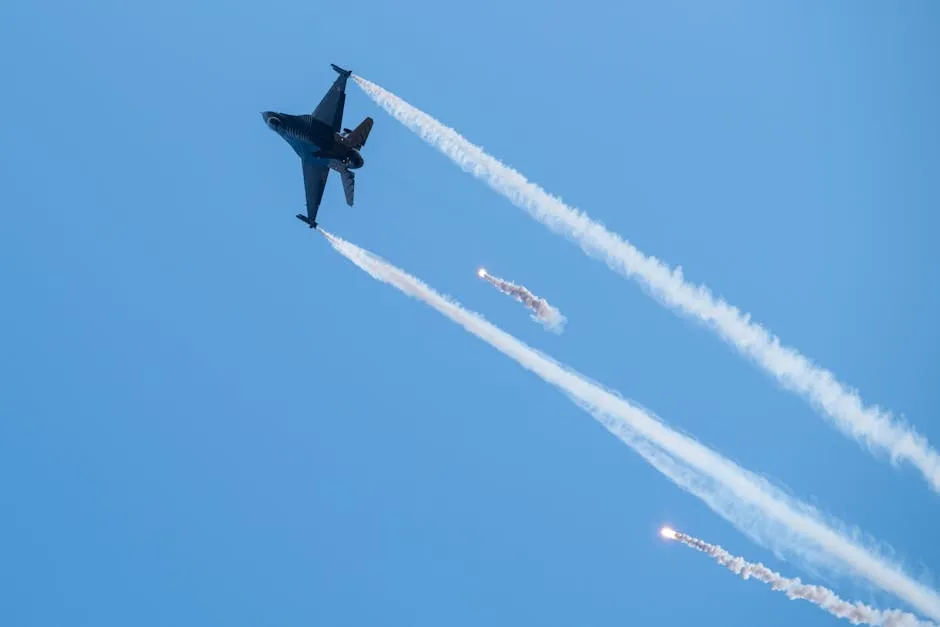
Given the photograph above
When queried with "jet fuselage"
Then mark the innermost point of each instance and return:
(312, 139)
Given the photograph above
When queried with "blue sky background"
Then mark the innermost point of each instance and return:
(208, 417)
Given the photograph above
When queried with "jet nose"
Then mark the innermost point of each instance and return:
(271, 119)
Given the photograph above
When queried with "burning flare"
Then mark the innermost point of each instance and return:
(542, 312)
(856, 612)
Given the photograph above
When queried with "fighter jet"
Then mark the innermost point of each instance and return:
(322, 146)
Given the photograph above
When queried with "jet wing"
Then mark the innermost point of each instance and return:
(330, 109)
(315, 174)
(349, 185)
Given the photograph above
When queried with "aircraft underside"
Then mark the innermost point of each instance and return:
(323, 144)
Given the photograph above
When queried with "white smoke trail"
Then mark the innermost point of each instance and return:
(550, 317)
(744, 499)
(855, 612)
(876, 428)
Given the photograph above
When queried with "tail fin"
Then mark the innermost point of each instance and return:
(340, 70)
(357, 137)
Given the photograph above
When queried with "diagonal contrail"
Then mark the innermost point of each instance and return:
(549, 316)
(876, 428)
(855, 612)
(746, 500)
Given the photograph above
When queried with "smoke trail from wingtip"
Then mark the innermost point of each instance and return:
(550, 317)
(746, 500)
(855, 612)
(870, 425)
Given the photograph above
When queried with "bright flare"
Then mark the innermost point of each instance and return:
(542, 312)
(668, 532)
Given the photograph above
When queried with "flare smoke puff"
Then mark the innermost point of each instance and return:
(856, 613)
(542, 312)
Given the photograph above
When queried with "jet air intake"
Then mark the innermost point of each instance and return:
(271, 119)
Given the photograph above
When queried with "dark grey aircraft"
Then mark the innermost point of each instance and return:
(321, 145)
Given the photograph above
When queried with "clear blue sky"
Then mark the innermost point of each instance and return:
(207, 417)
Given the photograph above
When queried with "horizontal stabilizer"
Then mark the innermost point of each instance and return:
(357, 137)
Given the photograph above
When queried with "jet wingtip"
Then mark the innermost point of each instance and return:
(340, 70)
(311, 223)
